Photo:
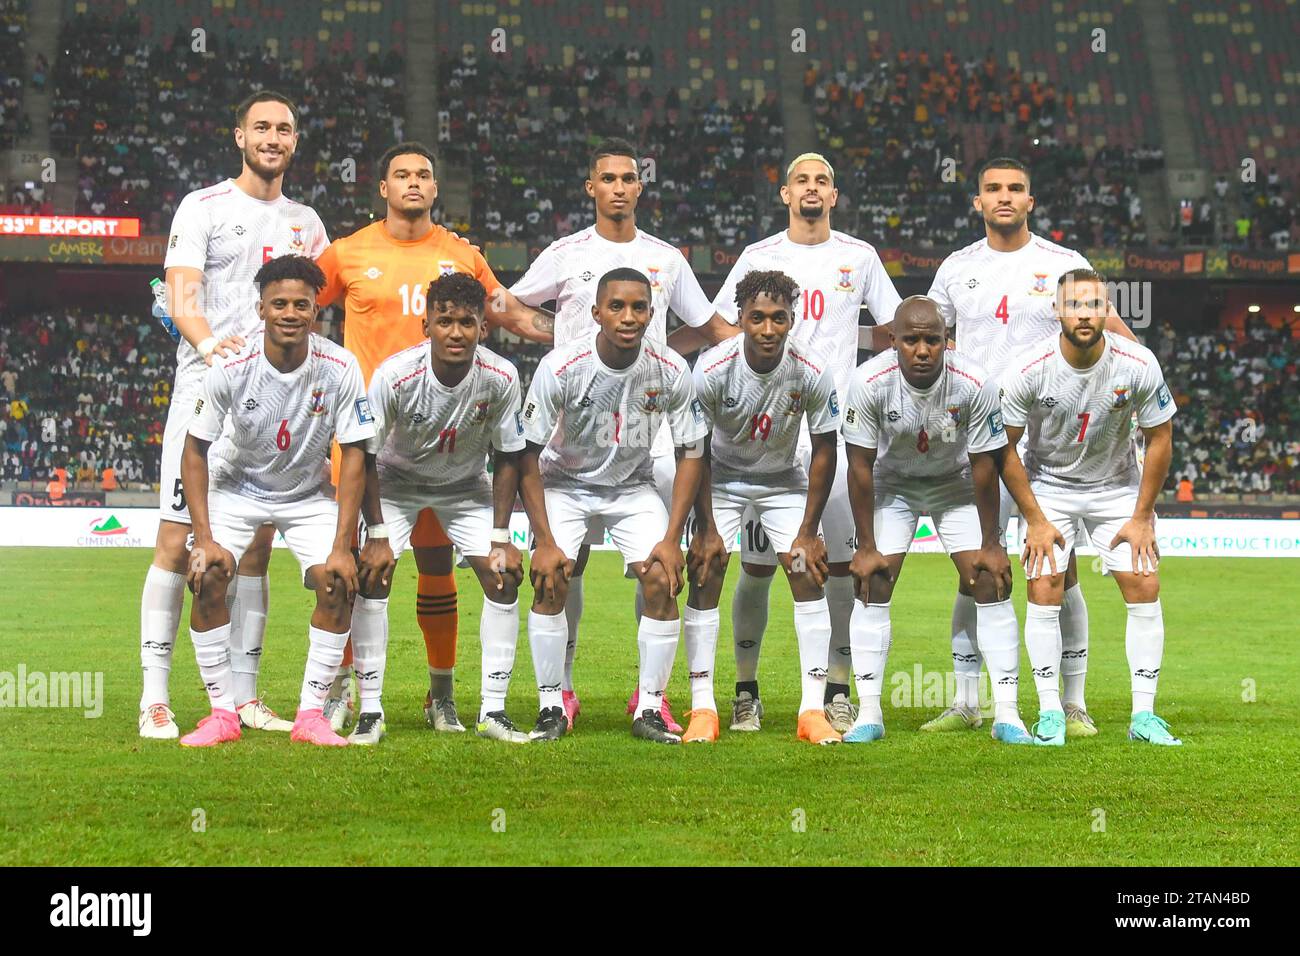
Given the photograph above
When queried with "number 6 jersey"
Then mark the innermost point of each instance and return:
(271, 430)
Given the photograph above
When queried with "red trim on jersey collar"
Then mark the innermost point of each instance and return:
(722, 361)
(330, 358)
(240, 361)
(492, 368)
(576, 358)
(653, 354)
(1041, 358)
(406, 378)
(956, 371)
(892, 368)
(796, 355)
(215, 195)
(1138, 359)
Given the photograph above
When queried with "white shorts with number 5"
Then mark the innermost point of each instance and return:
(171, 496)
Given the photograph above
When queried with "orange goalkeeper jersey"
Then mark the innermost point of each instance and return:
(383, 283)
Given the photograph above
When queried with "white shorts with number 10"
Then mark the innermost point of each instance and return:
(776, 506)
(837, 518)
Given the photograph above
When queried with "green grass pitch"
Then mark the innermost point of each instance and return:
(89, 791)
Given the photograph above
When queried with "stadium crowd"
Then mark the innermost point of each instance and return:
(87, 390)
(14, 123)
(893, 127)
(1259, 213)
(140, 122)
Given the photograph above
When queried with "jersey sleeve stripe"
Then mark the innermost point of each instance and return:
(720, 362)
(1136, 358)
(331, 358)
(577, 358)
(241, 361)
(1042, 358)
(653, 354)
(892, 368)
(795, 355)
(957, 371)
(406, 378)
(492, 368)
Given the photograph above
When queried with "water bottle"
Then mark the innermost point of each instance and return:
(160, 309)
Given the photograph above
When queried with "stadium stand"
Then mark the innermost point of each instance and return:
(13, 71)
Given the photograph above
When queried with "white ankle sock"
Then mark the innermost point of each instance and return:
(999, 641)
(547, 634)
(700, 630)
(966, 658)
(1043, 641)
(370, 651)
(657, 643)
(499, 634)
(212, 652)
(160, 616)
(248, 611)
(812, 630)
(324, 655)
(1074, 647)
(871, 636)
(1144, 641)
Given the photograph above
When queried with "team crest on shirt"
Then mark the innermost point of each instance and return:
(446, 267)
(954, 414)
(796, 403)
(651, 403)
(480, 413)
(653, 273)
(317, 401)
(846, 280)
(1122, 395)
(1040, 284)
(297, 246)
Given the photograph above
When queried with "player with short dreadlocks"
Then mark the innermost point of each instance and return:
(757, 389)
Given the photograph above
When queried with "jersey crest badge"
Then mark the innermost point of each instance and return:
(653, 273)
(954, 414)
(846, 280)
(796, 403)
(480, 413)
(1122, 394)
(446, 267)
(296, 244)
(1040, 284)
(317, 401)
(651, 400)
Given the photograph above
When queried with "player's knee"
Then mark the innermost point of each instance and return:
(1143, 590)
(170, 551)
(655, 585)
(758, 570)
(212, 592)
(985, 590)
(335, 606)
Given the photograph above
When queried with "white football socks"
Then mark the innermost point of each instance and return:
(657, 643)
(966, 658)
(212, 652)
(871, 636)
(812, 630)
(748, 622)
(324, 655)
(499, 633)
(248, 610)
(700, 630)
(370, 651)
(839, 601)
(572, 614)
(547, 635)
(1043, 641)
(160, 617)
(1144, 641)
(999, 641)
(1074, 646)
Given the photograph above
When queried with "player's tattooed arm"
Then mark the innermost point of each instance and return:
(867, 561)
(992, 556)
(206, 553)
(1041, 534)
(377, 560)
(507, 312)
(1140, 530)
(185, 306)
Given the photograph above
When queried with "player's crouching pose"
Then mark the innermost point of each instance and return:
(756, 389)
(254, 455)
(603, 398)
(439, 407)
(1076, 393)
(927, 420)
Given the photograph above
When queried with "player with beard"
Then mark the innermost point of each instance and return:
(220, 237)
(997, 294)
(837, 275)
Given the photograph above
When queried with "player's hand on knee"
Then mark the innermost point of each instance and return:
(1039, 539)
(547, 565)
(865, 564)
(1141, 539)
(506, 564)
(669, 555)
(993, 561)
(341, 574)
(208, 557)
(704, 555)
(808, 556)
(377, 564)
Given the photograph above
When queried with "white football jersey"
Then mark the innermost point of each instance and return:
(835, 278)
(1001, 302)
(429, 435)
(604, 420)
(229, 235)
(927, 434)
(271, 430)
(1079, 422)
(756, 417)
(569, 269)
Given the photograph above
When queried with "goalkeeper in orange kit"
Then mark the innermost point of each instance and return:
(381, 274)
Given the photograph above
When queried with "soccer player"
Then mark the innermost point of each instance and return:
(220, 236)
(260, 433)
(381, 273)
(837, 275)
(592, 412)
(997, 295)
(439, 407)
(1074, 395)
(925, 436)
(566, 272)
(757, 388)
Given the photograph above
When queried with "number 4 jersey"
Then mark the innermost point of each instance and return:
(1078, 421)
(271, 430)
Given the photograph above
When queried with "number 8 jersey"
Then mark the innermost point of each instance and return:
(1078, 421)
(271, 430)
